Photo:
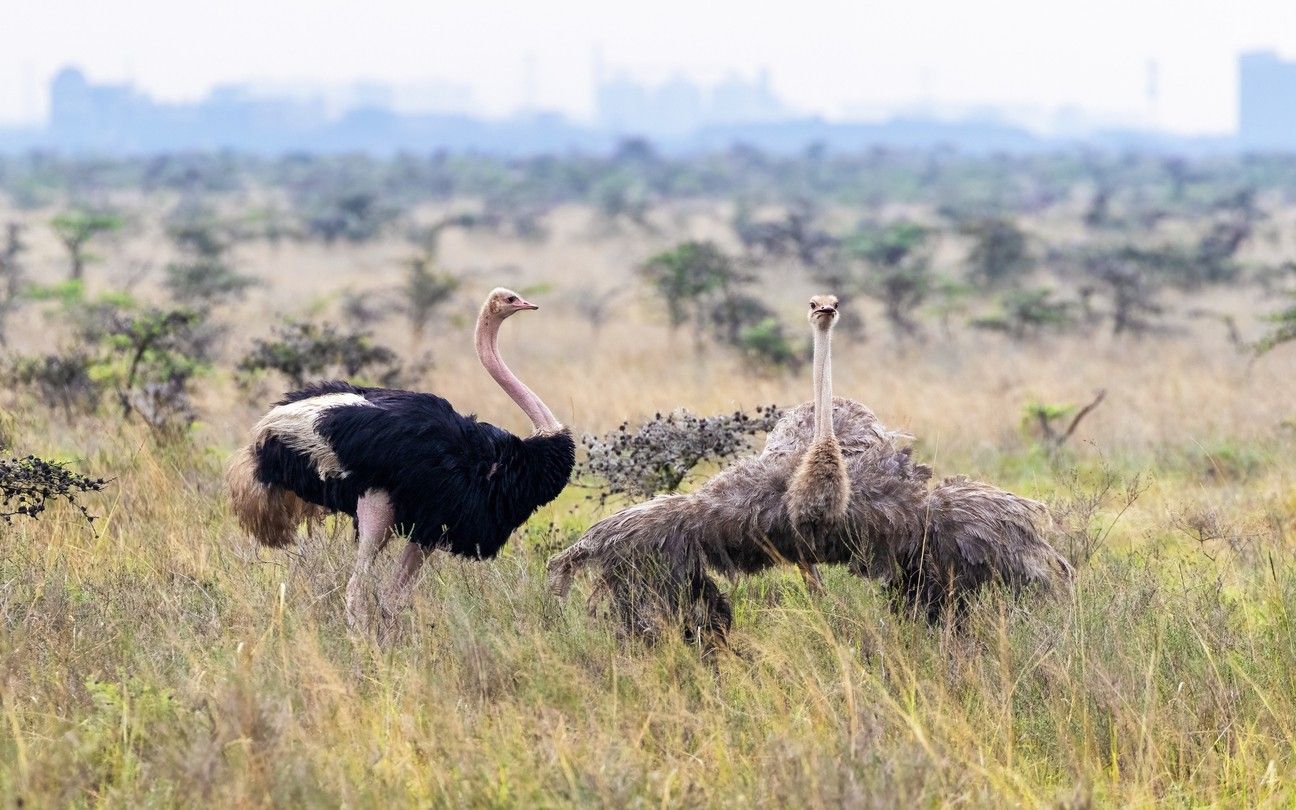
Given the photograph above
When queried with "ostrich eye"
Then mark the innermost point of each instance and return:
(512, 299)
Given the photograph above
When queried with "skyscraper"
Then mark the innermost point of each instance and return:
(1266, 102)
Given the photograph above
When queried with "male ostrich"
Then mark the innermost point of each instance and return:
(652, 561)
(402, 461)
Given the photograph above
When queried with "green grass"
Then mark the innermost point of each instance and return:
(159, 659)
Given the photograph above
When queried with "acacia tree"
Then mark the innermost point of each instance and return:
(428, 237)
(351, 215)
(898, 258)
(999, 255)
(1027, 313)
(11, 276)
(424, 292)
(700, 285)
(691, 278)
(76, 229)
(1284, 325)
(795, 236)
(204, 274)
(1130, 288)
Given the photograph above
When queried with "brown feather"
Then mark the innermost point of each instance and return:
(652, 561)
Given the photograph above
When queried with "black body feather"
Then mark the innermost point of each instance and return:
(455, 483)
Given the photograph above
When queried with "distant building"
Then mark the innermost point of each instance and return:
(110, 111)
(365, 116)
(1266, 102)
(736, 101)
(622, 106)
(681, 107)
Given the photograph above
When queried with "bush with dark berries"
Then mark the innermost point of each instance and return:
(28, 485)
(660, 453)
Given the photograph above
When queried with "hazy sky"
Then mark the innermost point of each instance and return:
(825, 57)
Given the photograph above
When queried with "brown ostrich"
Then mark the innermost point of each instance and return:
(653, 562)
(818, 496)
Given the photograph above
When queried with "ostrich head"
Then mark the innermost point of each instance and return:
(502, 303)
(823, 311)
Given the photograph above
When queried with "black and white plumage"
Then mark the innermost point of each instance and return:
(401, 462)
(455, 483)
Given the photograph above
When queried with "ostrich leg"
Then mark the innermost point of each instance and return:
(813, 579)
(398, 590)
(374, 517)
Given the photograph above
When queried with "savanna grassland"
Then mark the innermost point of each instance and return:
(156, 657)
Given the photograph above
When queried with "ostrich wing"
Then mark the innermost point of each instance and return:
(976, 533)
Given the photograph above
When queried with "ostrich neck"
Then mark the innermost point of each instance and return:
(823, 397)
(488, 352)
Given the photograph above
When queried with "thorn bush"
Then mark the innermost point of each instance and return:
(303, 351)
(29, 484)
(656, 456)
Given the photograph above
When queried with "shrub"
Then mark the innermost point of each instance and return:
(28, 485)
(303, 351)
(766, 344)
(59, 380)
(204, 275)
(145, 355)
(1284, 326)
(999, 255)
(76, 229)
(1026, 313)
(658, 455)
(1046, 420)
(151, 356)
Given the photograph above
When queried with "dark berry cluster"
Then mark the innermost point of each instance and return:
(656, 456)
(27, 485)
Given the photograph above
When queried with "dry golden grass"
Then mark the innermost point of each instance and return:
(158, 658)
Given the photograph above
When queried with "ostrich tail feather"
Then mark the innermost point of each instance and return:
(269, 513)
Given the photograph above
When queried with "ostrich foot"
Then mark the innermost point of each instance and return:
(358, 605)
(813, 579)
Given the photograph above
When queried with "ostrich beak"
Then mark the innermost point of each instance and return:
(524, 304)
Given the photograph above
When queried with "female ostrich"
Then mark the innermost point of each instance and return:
(819, 494)
(402, 461)
(652, 561)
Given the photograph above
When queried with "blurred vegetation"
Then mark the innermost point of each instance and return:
(76, 229)
(159, 661)
(306, 351)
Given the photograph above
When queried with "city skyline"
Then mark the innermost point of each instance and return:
(1169, 65)
(676, 114)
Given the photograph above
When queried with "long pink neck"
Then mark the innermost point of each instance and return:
(487, 334)
(823, 397)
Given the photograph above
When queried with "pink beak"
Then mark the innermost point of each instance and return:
(524, 304)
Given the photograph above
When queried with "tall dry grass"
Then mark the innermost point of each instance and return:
(157, 658)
